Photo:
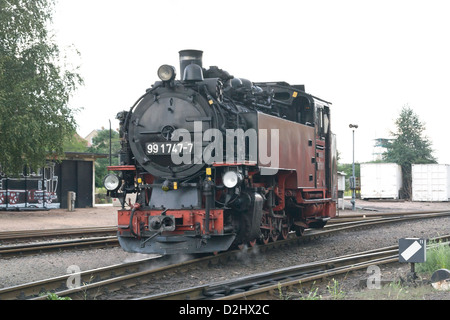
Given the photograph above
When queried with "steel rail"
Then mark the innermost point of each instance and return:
(21, 291)
(274, 289)
(381, 220)
(249, 283)
(34, 248)
(29, 234)
(35, 288)
(270, 283)
(399, 213)
(116, 282)
(56, 233)
(14, 250)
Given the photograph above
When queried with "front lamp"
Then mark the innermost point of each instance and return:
(231, 179)
(166, 72)
(111, 182)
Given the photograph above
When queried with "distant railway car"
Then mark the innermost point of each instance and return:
(217, 161)
(35, 190)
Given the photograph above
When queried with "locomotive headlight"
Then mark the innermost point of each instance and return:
(166, 72)
(231, 179)
(111, 182)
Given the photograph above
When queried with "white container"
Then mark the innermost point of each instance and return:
(341, 190)
(380, 180)
(341, 181)
(430, 182)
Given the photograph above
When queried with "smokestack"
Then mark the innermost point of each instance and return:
(188, 57)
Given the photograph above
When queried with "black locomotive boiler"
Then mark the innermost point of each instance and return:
(217, 161)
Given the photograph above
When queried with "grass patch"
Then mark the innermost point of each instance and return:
(54, 296)
(438, 257)
(333, 288)
(394, 291)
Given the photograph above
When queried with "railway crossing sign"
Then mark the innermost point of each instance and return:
(412, 250)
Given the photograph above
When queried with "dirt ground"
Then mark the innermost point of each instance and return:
(106, 215)
(392, 205)
(98, 216)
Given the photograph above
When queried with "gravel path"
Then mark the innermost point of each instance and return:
(15, 271)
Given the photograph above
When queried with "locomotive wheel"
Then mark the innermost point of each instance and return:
(266, 237)
(285, 233)
(274, 236)
(241, 246)
(251, 243)
(299, 231)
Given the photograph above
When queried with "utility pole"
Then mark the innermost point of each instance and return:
(110, 148)
(353, 179)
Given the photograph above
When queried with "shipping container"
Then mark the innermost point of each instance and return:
(341, 189)
(341, 181)
(380, 180)
(430, 182)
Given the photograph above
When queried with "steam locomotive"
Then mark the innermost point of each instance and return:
(217, 161)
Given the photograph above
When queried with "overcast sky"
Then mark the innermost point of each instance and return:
(369, 58)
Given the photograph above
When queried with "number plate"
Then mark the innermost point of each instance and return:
(167, 148)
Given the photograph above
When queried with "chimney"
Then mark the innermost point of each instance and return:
(188, 57)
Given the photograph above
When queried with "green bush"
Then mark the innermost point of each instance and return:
(438, 257)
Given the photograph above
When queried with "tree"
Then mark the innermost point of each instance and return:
(34, 87)
(409, 147)
(75, 143)
(100, 144)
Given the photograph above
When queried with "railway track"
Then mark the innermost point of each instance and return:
(268, 285)
(109, 239)
(96, 282)
(90, 237)
(45, 247)
(32, 235)
(375, 215)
